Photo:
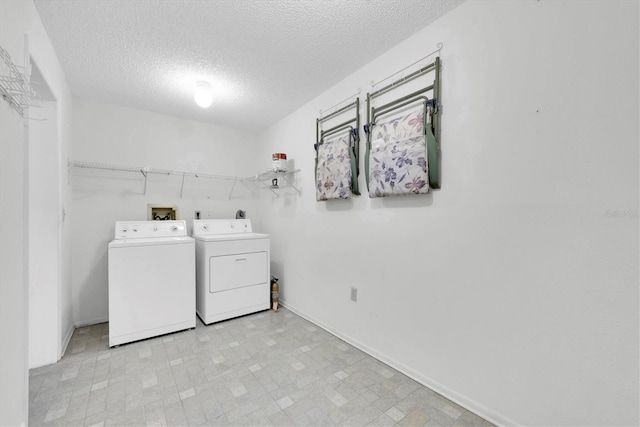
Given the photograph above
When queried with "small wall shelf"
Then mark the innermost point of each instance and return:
(265, 180)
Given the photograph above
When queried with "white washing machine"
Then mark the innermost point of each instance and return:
(151, 280)
(232, 269)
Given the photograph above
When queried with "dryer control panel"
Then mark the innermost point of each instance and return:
(150, 229)
(204, 227)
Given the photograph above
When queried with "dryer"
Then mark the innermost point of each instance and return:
(151, 280)
(232, 269)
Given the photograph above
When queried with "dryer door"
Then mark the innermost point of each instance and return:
(237, 271)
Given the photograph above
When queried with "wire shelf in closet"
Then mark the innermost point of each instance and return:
(145, 172)
(263, 180)
(15, 87)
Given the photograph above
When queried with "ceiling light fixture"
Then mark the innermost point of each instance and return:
(203, 94)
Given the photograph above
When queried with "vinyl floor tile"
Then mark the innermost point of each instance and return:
(265, 369)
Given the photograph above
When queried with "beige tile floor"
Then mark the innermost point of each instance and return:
(268, 368)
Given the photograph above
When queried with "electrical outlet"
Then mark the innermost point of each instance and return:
(354, 294)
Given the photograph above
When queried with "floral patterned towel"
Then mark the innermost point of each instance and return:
(333, 171)
(400, 128)
(398, 157)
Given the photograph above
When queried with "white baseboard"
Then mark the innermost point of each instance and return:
(439, 388)
(65, 341)
(90, 322)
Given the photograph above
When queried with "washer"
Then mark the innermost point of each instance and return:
(232, 269)
(151, 280)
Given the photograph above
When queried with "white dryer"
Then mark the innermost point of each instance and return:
(151, 280)
(232, 269)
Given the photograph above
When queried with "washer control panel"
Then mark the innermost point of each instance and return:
(202, 227)
(149, 229)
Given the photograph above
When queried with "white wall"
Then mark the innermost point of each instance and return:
(14, 381)
(65, 120)
(50, 315)
(514, 289)
(17, 19)
(123, 136)
(44, 238)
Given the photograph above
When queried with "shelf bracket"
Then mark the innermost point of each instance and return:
(289, 182)
(144, 173)
(294, 187)
(233, 186)
(182, 185)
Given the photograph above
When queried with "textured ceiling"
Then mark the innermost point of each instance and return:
(264, 58)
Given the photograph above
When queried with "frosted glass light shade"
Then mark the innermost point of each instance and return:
(203, 94)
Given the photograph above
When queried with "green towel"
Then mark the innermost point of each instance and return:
(432, 159)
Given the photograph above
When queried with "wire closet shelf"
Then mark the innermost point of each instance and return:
(147, 171)
(15, 87)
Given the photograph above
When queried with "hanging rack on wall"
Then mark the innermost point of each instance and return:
(14, 85)
(418, 96)
(437, 51)
(435, 65)
(351, 125)
(320, 133)
(354, 96)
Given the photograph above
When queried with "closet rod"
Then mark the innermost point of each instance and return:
(144, 170)
(104, 166)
